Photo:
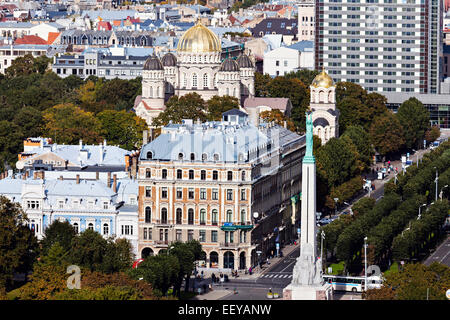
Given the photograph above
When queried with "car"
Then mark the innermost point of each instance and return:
(345, 212)
(324, 221)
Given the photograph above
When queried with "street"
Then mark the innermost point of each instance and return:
(442, 254)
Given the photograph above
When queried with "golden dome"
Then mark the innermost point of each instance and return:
(199, 39)
(322, 80)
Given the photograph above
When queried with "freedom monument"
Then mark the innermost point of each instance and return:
(307, 280)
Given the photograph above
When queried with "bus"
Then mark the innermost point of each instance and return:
(353, 284)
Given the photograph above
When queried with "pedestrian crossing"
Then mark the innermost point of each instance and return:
(276, 275)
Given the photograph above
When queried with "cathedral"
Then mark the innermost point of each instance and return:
(196, 67)
(325, 116)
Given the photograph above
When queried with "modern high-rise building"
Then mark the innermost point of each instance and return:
(382, 45)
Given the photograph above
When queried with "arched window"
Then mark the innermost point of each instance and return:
(205, 80)
(149, 155)
(105, 229)
(90, 226)
(150, 92)
(192, 156)
(184, 80)
(214, 217)
(228, 91)
(243, 175)
(194, 80)
(148, 173)
(75, 226)
(229, 216)
(180, 156)
(179, 216)
(202, 216)
(179, 174)
(164, 173)
(204, 157)
(148, 214)
(216, 157)
(164, 216)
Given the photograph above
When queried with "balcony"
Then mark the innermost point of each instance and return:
(161, 243)
(229, 245)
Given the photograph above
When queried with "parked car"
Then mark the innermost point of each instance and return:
(324, 221)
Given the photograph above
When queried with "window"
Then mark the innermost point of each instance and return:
(202, 216)
(149, 155)
(192, 156)
(191, 216)
(214, 217)
(202, 236)
(75, 227)
(205, 81)
(180, 156)
(105, 229)
(204, 157)
(179, 174)
(179, 216)
(90, 226)
(243, 216)
(214, 236)
(179, 193)
(164, 192)
(215, 175)
(202, 194)
(229, 194)
(277, 63)
(190, 235)
(230, 175)
(61, 204)
(203, 175)
(164, 215)
(243, 176)
(32, 204)
(229, 216)
(148, 192)
(191, 193)
(179, 235)
(145, 233)
(191, 174)
(105, 205)
(164, 173)
(215, 194)
(243, 194)
(216, 157)
(194, 80)
(148, 214)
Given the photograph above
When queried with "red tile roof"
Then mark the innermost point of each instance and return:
(52, 36)
(30, 40)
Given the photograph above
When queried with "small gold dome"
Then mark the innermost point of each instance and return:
(199, 39)
(322, 80)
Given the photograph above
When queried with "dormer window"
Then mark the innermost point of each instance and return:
(192, 156)
(180, 156)
(149, 155)
(216, 157)
(204, 157)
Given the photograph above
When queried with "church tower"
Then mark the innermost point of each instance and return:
(325, 116)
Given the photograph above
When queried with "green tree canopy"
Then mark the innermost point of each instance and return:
(361, 140)
(18, 245)
(386, 134)
(217, 105)
(414, 118)
(58, 232)
(122, 128)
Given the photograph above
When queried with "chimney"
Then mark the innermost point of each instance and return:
(285, 124)
(34, 175)
(61, 178)
(134, 165)
(81, 144)
(97, 175)
(144, 137)
(24, 176)
(115, 183)
(78, 179)
(41, 174)
(108, 182)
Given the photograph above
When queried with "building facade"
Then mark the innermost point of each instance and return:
(206, 181)
(384, 46)
(306, 20)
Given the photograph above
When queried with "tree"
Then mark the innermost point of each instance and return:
(24, 65)
(10, 143)
(432, 134)
(414, 118)
(386, 134)
(261, 84)
(335, 162)
(58, 232)
(218, 105)
(360, 139)
(29, 120)
(304, 75)
(18, 245)
(189, 106)
(122, 128)
(186, 262)
(67, 123)
(88, 250)
(161, 271)
(118, 256)
(414, 282)
(278, 117)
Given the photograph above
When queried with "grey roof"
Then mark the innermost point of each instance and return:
(230, 142)
(302, 46)
(153, 63)
(169, 60)
(229, 65)
(234, 112)
(244, 61)
(321, 122)
(274, 103)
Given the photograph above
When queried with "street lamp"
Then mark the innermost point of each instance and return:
(436, 182)
(335, 205)
(423, 205)
(365, 263)
(321, 245)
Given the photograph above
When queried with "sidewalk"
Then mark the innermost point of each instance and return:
(215, 294)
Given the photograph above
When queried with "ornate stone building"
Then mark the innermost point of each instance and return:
(196, 67)
(325, 116)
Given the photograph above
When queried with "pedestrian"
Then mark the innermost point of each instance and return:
(250, 270)
(213, 278)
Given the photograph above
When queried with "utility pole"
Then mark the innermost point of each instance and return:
(437, 178)
(365, 264)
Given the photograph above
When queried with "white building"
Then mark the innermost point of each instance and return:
(283, 60)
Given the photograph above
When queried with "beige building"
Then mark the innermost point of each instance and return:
(306, 20)
(209, 181)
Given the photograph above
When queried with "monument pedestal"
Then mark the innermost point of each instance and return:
(308, 292)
